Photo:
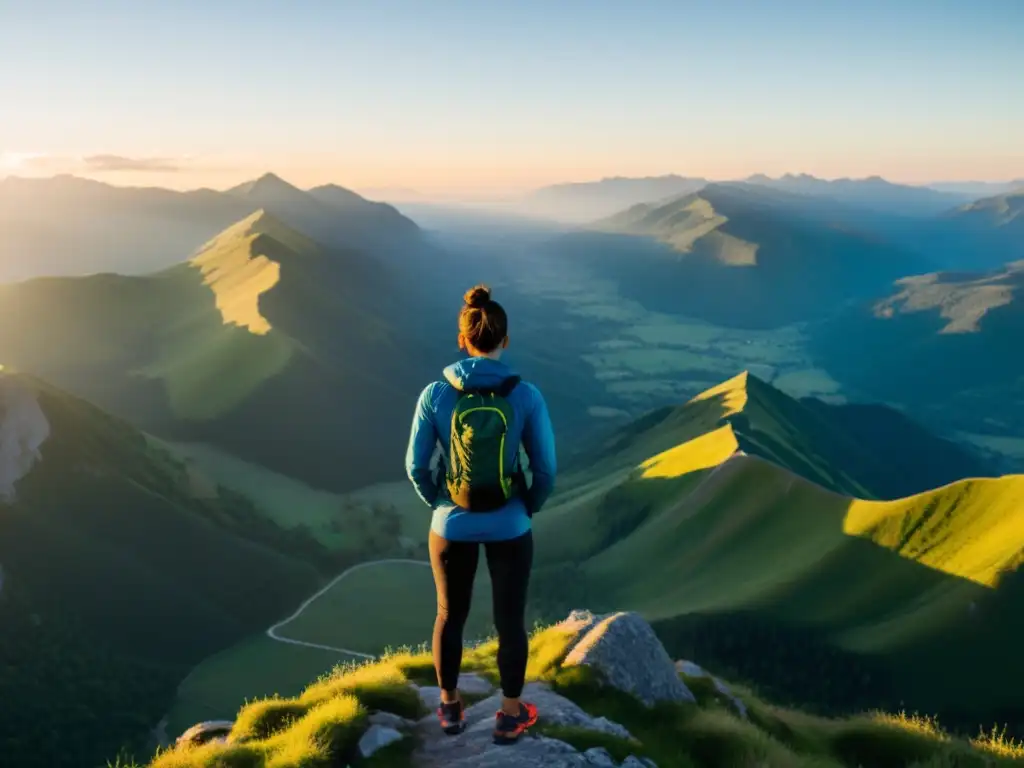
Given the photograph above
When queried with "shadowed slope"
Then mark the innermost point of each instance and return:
(266, 343)
(945, 346)
(749, 530)
(101, 613)
(738, 255)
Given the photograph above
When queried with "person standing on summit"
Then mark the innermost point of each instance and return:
(480, 413)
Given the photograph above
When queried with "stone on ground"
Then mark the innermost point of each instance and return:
(207, 731)
(474, 748)
(376, 738)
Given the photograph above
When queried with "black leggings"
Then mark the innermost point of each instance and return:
(454, 564)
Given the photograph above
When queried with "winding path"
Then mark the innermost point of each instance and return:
(272, 631)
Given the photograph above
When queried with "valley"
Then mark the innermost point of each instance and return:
(787, 442)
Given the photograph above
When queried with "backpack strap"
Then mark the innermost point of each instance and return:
(504, 389)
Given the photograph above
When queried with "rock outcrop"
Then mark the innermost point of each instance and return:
(623, 648)
(23, 430)
(626, 654)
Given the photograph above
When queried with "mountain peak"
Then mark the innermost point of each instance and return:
(269, 184)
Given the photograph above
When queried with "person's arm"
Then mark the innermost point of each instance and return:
(539, 443)
(422, 440)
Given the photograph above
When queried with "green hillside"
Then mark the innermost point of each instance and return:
(265, 343)
(764, 551)
(944, 346)
(119, 572)
(739, 255)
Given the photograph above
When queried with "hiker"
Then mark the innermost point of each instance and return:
(480, 413)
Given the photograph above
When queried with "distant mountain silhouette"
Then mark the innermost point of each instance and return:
(874, 193)
(978, 188)
(70, 226)
(587, 201)
(331, 214)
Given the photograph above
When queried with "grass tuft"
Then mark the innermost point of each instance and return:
(261, 719)
(322, 727)
(998, 743)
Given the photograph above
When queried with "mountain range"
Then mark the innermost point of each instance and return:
(738, 255)
(72, 226)
(259, 344)
(848, 554)
(816, 559)
(582, 202)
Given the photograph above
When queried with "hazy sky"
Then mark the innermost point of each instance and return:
(435, 94)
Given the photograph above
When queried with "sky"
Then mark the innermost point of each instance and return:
(481, 95)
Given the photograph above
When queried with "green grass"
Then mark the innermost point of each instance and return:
(395, 603)
(321, 726)
(781, 537)
(101, 522)
(342, 521)
(256, 667)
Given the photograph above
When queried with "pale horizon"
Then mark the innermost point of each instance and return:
(462, 99)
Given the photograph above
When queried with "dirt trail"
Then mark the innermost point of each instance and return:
(272, 632)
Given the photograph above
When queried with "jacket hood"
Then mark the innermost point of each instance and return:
(473, 372)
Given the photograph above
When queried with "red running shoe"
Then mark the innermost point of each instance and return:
(509, 728)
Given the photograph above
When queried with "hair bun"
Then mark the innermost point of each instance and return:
(478, 297)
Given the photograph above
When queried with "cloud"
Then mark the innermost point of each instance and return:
(111, 163)
(31, 161)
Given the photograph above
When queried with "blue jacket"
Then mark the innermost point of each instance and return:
(431, 427)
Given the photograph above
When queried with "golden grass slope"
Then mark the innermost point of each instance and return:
(973, 529)
(718, 529)
(238, 276)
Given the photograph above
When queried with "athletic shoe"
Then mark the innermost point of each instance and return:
(452, 717)
(509, 728)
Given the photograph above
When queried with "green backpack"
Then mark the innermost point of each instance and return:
(477, 477)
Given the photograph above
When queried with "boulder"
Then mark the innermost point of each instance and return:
(207, 731)
(623, 648)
